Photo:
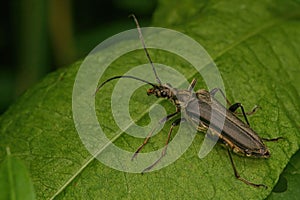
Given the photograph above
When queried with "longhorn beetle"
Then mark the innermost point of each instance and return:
(235, 134)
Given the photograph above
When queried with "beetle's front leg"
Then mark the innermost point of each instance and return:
(164, 151)
(163, 120)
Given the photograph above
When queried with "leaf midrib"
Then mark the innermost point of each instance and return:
(240, 40)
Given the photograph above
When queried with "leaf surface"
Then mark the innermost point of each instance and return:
(289, 181)
(15, 182)
(255, 45)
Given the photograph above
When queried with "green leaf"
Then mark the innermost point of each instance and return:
(15, 182)
(255, 45)
(289, 181)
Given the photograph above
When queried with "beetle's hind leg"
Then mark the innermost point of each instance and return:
(272, 139)
(164, 151)
(235, 106)
(237, 175)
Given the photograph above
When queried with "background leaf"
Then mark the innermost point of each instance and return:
(288, 184)
(15, 182)
(255, 45)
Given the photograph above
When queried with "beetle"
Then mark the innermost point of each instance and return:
(235, 134)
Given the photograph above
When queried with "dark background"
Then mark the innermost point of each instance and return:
(40, 36)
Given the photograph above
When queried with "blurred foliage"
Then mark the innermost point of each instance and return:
(40, 36)
(15, 182)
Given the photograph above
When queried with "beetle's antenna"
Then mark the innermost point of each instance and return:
(144, 46)
(116, 77)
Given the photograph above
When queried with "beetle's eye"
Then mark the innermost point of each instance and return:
(163, 93)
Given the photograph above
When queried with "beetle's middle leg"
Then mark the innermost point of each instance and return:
(163, 120)
(235, 106)
(192, 85)
(164, 151)
(232, 106)
(215, 90)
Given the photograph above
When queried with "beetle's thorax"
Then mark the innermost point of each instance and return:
(184, 97)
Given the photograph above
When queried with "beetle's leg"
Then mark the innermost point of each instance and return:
(237, 175)
(254, 109)
(272, 139)
(163, 120)
(164, 151)
(192, 85)
(235, 106)
(215, 90)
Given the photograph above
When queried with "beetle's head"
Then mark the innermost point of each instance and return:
(162, 91)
